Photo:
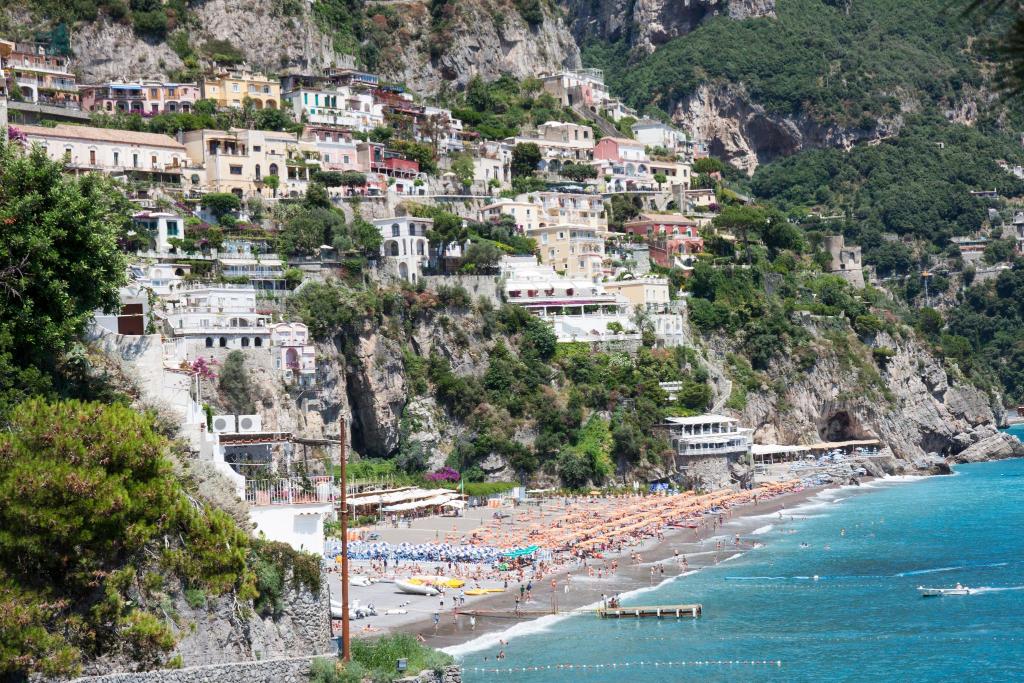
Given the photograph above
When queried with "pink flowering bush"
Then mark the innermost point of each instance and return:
(444, 474)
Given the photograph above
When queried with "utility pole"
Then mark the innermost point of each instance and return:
(346, 640)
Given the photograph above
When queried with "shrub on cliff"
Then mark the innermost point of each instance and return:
(88, 492)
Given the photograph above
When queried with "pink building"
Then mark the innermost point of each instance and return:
(649, 225)
(147, 98)
(620, 150)
(294, 354)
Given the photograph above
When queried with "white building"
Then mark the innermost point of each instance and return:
(161, 227)
(405, 244)
(657, 134)
(215, 317)
(152, 156)
(340, 106)
(294, 355)
(705, 446)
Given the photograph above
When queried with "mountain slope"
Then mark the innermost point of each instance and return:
(819, 74)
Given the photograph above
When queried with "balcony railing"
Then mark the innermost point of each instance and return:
(290, 491)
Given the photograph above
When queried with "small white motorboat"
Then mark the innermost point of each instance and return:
(942, 592)
(416, 588)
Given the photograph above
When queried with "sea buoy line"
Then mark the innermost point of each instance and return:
(856, 639)
(655, 664)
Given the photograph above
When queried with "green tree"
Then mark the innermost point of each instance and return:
(353, 179)
(59, 262)
(464, 169)
(578, 172)
(525, 157)
(481, 257)
(742, 221)
(309, 228)
(660, 178)
(273, 182)
(447, 229)
(328, 178)
(220, 204)
(235, 387)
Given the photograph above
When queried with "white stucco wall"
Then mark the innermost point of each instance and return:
(300, 526)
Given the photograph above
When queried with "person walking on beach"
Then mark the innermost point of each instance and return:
(437, 620)
(517, 606)
(522, 591)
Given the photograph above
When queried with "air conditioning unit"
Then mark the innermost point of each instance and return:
(224, 424)
(247, 424)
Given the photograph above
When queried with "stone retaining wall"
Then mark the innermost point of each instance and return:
(291, 670)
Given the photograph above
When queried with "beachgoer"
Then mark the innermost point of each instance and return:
(472, 622)
(437, 619)
(501, 654)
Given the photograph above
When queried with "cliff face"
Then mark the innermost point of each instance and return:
(745, 134)
(902, 396)
(485, 38)
(646, 24)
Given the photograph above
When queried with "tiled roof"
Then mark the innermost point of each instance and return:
(109, 135)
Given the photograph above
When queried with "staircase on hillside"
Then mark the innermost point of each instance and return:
(606, 127)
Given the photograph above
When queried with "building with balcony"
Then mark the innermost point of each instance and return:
(205, 318)
(160, 227)
(567, 208)
(339, 106)
(649, 293)
(239, 160)
(405, 246)
(151, 156)
(583, 87)
(706, 446)
(657, 134)
(337, 149)
(144, 97)
(265, 273)
(559, 144)
(294, 354)
(526, 214)
(40, 76)
(575, 251)
(231, 87)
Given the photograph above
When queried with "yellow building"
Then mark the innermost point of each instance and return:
(574, 250)
(240, 160)
(230, 89)
(646, 292)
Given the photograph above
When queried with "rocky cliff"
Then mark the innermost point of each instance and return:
(485, 38)
(744, 133)
(646, 24)
(401, 39)
(892, 389)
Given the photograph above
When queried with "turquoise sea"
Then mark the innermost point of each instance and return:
(860, 620)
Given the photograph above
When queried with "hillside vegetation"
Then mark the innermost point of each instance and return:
(849, 63)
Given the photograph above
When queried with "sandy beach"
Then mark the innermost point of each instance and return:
(661, 559)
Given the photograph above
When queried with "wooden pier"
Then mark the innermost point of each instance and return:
(655, 612)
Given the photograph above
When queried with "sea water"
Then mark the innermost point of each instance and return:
(831, 596)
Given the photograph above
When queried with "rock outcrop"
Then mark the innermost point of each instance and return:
(485, 38)
(907, 401)
(646, 24)
(744, 133)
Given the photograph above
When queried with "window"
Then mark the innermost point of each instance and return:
(92, 157)
(396, 230)
(135, 160)
(236, 170)
(245, 342)
(258, 176)
(273, 169)
(209, 342)
(152, 160)
(258, 341)
(172, 228)
(222, 342)
(257, 148)
(234, 87)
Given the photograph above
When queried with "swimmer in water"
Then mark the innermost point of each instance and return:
(842, 532)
